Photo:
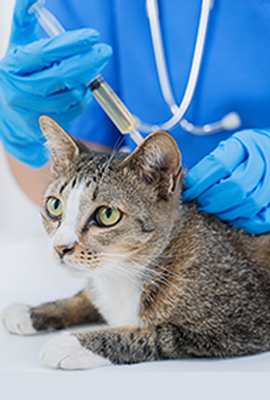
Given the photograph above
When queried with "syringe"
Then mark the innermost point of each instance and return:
(100, 89)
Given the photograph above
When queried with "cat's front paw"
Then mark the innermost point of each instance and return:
(66, 352)
(17, 319)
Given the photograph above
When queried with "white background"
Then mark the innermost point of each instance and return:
(28, 275)
(17, 212)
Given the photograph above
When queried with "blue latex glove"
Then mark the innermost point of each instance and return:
(233, 182)
(44, 76)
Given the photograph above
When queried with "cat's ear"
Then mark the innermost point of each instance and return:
(63, 147)
(158, 162)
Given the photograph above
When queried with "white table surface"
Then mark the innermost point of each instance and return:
(27, 275)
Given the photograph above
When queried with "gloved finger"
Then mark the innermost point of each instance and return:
(23, 136)
(44, 52)
(229, 192)
(211, 169)
(30, 148)
(258, 198)
(71, 114)
(256, 225)
(61, 101)
(25, 26)
(67, 74)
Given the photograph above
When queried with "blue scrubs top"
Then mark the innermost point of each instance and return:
(234, 76)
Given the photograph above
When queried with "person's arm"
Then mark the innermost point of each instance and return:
(32, 181)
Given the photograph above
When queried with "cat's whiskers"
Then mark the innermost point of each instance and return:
(147, 278)
(154, 275)
(123, 271)
(140, 258)
(145, 273)
(160, 278)
(131, 276)
(172, 255)
(115, 257)
(168, 272)
(166, 282)
(153, 256)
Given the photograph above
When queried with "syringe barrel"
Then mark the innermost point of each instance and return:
(102, 92)
(112, 105)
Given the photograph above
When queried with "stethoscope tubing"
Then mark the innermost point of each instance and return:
(228, 122)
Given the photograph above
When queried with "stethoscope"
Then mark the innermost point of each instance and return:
(230, 121)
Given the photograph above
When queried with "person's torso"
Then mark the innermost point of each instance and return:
(235, 70)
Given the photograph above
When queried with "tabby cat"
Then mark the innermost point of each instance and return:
(171, 281)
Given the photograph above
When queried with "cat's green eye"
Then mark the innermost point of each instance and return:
(54, 208)
(108, 216)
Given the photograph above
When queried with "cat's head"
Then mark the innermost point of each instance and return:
(107, 208)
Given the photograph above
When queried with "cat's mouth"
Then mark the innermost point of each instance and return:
(69, 265)
(74, 269)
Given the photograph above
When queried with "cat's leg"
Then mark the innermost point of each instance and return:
(23, 320)
(125, 345)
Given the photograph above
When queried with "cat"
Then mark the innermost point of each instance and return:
(171, 281)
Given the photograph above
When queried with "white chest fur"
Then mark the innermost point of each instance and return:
(116, 294)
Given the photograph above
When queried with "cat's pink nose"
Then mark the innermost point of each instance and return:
(63, 250)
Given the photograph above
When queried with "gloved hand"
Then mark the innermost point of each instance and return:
(44, 76)
(233, 182)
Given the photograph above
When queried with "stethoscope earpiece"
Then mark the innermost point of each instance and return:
(229, 122)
